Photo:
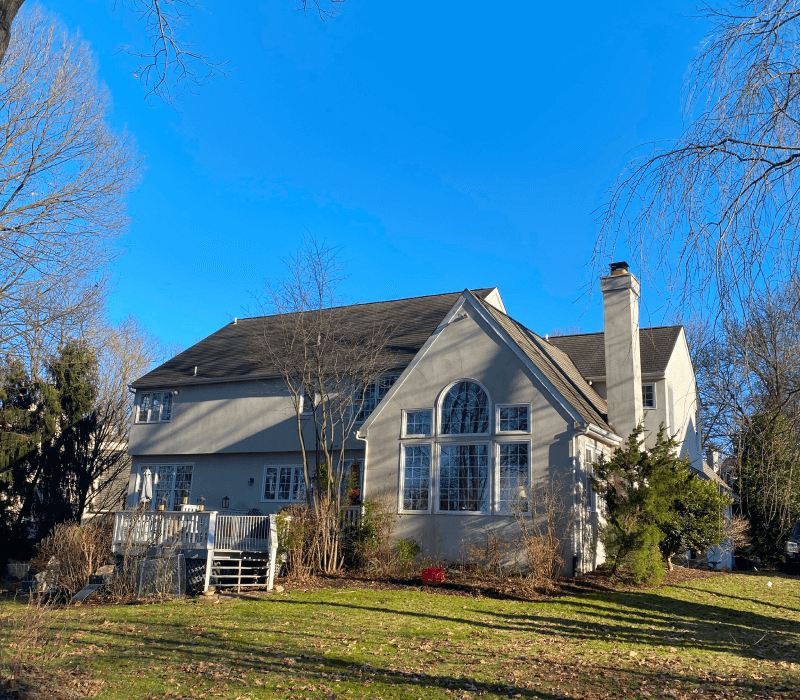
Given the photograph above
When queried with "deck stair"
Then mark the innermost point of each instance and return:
(239, 568)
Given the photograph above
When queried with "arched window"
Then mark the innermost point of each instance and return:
(465, 410)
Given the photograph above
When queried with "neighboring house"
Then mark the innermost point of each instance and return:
(477, 409)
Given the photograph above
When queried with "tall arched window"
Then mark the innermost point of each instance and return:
(465, 410)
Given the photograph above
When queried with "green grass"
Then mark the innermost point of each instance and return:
(729, 636)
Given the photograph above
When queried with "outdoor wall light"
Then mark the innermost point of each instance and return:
(251, 481)
(226, 502)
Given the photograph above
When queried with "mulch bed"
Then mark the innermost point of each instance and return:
(482, 585)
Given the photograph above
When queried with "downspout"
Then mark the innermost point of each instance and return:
(363, 484)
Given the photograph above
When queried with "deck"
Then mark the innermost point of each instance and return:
(216, 536)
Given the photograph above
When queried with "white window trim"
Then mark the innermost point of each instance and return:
(458, 443)
(511, 405)
(438, 413)
(138, 400)
(400, 498)
(655, 399)
(356, 407)
(148, 465)
(590, 457)
(496, 472)
(405, 413)
(306, 410)
(291, 489)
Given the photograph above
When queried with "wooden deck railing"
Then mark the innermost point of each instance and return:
(249, 533)
(208, 530)
(135, 529)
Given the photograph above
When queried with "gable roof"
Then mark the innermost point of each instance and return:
(232, 353)
(557, 367)
(587, 351)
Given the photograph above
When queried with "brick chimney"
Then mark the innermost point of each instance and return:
(623, 362)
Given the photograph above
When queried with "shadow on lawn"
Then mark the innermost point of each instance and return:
(215, 661)
(646, 618)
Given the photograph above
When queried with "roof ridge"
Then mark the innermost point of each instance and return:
(368, 303)
(546, 353)
(583, 335)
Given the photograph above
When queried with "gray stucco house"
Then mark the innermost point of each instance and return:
(477, 406)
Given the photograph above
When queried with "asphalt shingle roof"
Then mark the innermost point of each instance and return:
(557, 367)
(233, 351)
(587, 351)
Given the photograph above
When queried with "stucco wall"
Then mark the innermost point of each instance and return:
(217, 476)
(683, 407)
(467, 348)
(233, 417)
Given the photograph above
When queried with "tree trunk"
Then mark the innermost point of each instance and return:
(8, 10)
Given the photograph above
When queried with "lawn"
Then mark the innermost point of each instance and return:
(726, 636)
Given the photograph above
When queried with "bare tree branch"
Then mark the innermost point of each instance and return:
(714, 214)
(169, 65)
(64, 179)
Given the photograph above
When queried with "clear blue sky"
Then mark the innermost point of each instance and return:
(443, 145)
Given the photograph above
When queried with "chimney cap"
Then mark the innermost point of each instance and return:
(619, 268)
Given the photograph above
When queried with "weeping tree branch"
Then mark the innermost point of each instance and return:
(713, 215)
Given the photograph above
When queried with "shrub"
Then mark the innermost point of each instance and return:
(542, 531)
(407, 552)
(298, 534)
(488, 556)
(368, 544)
(72, 553)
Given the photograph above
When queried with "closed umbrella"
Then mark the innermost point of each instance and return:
(147, 486)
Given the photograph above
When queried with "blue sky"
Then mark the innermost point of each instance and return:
(443, 145)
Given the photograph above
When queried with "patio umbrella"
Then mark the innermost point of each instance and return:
(147, 486)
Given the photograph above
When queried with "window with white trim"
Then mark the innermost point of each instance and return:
(464, 478)
(171, 484)
(417, 423)
(590, 498)
(416, 477)
(648, 395)
(465, 410)
(513, 419)
(373, 393)
(283, 483)
(513, 477)
(154, 407)
(306, 404)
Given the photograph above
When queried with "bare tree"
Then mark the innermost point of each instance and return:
(748, 373)
(8, 11)
(716, 211)
(327, 357)
(168, 63)
(124, 352)
(64, 177)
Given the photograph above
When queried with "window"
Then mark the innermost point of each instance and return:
(465, 410)
(590, 497)
(373, 393)
(171, 484)
(417, 423)
(648, 395)
(154, 407)
(513, 477)
(416, 477)
(306, 404)
(284, 484)
(513, 419)
(464, 478)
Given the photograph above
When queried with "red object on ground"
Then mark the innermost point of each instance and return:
(433, 576)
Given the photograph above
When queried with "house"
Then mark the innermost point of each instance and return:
(476, 409)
